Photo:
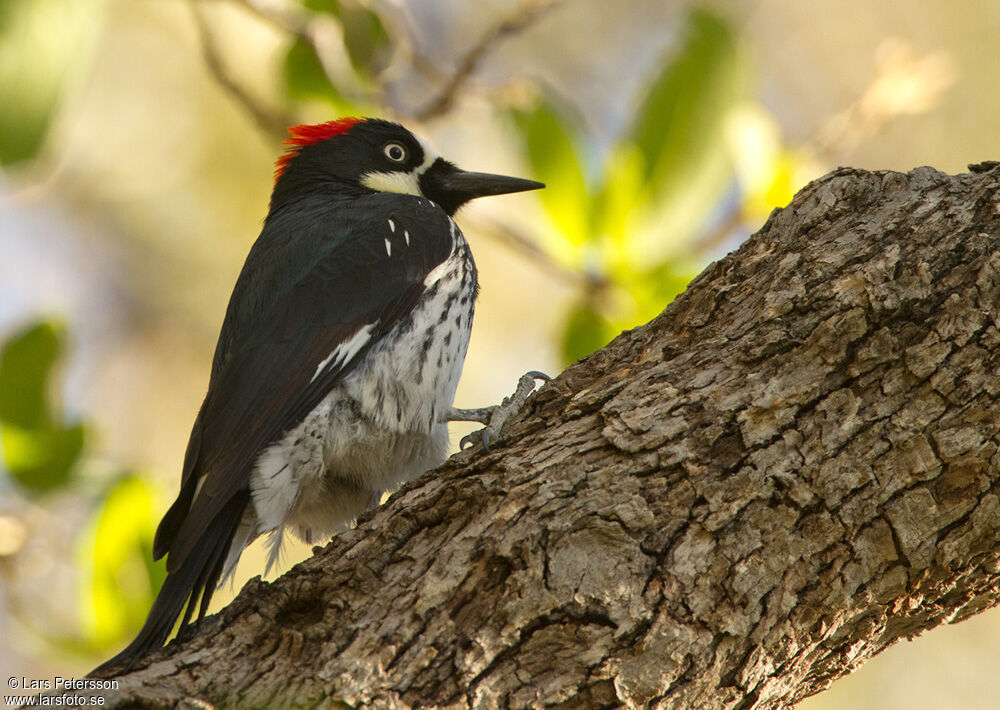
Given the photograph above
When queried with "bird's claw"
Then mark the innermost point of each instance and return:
(483, 436)
(496, 416)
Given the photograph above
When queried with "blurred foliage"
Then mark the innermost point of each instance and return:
(628, 222)
(680, 120)
(42, 455)
(39, 451)
(305, 77)
(365, 37)
(554, 157)
(366, 43)
(586, 330)
(40, 43)
(120, 579)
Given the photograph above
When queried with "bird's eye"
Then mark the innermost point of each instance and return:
(395, 152)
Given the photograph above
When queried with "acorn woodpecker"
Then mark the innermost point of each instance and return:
(338, 358)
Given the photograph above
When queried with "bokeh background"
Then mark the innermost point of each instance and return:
(137, 139)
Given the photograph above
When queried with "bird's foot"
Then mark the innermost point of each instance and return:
(494, 417)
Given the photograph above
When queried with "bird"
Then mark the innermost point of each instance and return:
(337, 361)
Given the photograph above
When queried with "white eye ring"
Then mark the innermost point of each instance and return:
(395, 152)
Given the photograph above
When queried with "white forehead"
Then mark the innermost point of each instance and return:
(430, 155)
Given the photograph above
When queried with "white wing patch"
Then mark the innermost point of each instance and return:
(392, 226)
(343, 353)
(388, 247)
(406, 236)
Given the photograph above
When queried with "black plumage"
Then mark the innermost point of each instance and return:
(339, 264)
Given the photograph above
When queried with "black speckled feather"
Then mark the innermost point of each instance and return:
(338, 358)
(353, 282)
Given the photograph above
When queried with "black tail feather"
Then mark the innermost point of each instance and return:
(208, 577)
(196, 577)
(212, 583)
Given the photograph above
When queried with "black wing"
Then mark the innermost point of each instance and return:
(368, 275)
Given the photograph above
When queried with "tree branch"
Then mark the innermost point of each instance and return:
(525, 246)
(439, 105)
(282, 17)
(271, 122)
(791, 468)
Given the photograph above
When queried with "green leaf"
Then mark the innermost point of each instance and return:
(655, 289)
(365, 37)
(617, 202)
(25, 363)
(366, 40)
(687, 103)
(38, 450)
(667, 282)
(120, 580)
(41, 460)
(305, 77)
(586, 331)
(330, 7)
(550, 146)
(679, 137)
(41, 42)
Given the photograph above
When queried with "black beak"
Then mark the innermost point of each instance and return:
(473, 185)
(451, 188)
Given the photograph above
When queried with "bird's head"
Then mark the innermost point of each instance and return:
(374, 155)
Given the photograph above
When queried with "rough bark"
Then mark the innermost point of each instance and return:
(791, 468)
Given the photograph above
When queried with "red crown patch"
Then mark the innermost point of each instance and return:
(310, 134)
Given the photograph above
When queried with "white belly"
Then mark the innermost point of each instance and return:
(381, 425)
